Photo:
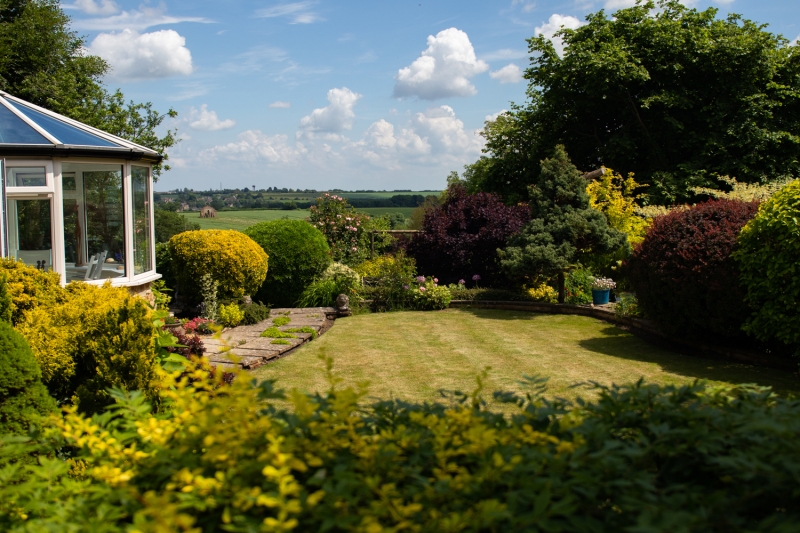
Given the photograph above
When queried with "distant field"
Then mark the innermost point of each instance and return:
(240, 220)
(309, 197)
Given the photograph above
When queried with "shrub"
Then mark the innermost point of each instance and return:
(190, 345)
(100, 337)
(23, 397)
(343, 228)
(169, 223)
(768, 261)
(164, 264)
(230, 315)
(614, 196)
(683, 273)
(638, 458)
(345, 277)
(428, 295)
(320, 293)
(298, 254)
(30, 287)
(461, 292)
(254, 313)
(461, 236)
(578, 286)
(627, 306)
(543, 293)
(230, 257)
(389, 289)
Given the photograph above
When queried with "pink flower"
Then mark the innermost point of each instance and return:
(422, 289)
(461, 282)
(476, 277)
(436, 280)
(405, 287)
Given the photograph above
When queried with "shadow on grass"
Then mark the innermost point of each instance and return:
(501, 314)
(621, 344)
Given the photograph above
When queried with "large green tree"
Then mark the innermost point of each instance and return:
(672, 94)
(44, 62)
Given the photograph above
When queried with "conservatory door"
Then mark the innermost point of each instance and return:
(30, 230)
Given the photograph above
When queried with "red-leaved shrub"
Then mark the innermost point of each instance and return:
(460, 238)
(683, 273)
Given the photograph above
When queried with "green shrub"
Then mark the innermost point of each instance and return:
(23, 397)
(100, 337)
(230, 315)
(30, 287)
(298, 254)
(254, 313)
(164, 264)
(319, 293)
(627, 306)
(638, 458)
(429, 296)
(769, 250)
(6, 304)
(230, 257)
(389, 281)
(460, 292)
(578, 286)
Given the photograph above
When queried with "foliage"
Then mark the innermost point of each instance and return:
(254, 313)
(683, 273)
(230, 315)
(23, 397)
(164, 264)
(428, 295)
(343, 227)
(304, 329)
(274, 333)
(99, 337)
(319, 293)
(6, 304)
(189, 345)
(375, 268)
(199, 325)
(563, 229)
(30, 287)
(672, 94)
(417, 217)
(543, 292)
(298, 254)
(578, 285)
(209, 289)
(169, 223)
(639, 457)
(160, 296)
(388, 290)
(627, 306)
(614, 196)
(769, 248)
(462, 235)
(745, 192)
(230, 257)
(281, 321)
(345, 277)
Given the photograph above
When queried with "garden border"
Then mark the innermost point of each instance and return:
(640, 327)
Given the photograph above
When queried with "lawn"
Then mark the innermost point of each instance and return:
(412, 355)
(240, 220)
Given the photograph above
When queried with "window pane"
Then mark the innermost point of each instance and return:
(27, 177)
(64, 132)
(13, 130)
(29, 235)
(105, 217)
(142, 258)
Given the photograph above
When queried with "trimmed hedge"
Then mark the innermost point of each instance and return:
(232, 458)
(683, 274)
(298, 253)
(30, 287)
(232, 258)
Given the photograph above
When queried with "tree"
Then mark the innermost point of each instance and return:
(43, 61)
(670, 93)
(563, 228)
(169, 223)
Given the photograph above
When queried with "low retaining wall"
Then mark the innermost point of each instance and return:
(640, 327)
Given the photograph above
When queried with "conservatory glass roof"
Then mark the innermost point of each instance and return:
(64, 132)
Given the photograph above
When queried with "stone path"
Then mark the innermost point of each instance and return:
(244, 347)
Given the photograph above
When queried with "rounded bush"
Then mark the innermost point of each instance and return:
(768, 260)
(23, 397)
(29, 287)
(683, 274)
(298, 253)
(233, 259)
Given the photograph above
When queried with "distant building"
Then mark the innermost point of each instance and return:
(208, 212)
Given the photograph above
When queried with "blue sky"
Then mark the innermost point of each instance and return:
(322, 94)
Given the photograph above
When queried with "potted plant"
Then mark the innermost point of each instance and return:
(601, 287)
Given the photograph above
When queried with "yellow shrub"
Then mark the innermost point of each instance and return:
(543, 293)
(614, 196)
(230, 315)
(373, 268)
(99, 337)
(232, 258)
(29, 287)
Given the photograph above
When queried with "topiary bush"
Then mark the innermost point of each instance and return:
(254, 313)
(23, 397)
(30, 287)
(230, 315)
(683, 274)
(298, 254)
(768, 256)
(460, 238)
(230, 257)
(100, 337)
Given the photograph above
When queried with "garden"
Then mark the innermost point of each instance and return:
(553, 349)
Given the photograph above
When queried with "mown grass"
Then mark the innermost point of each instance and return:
(413, 355)
(245, 218)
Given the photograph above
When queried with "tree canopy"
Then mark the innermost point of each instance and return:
(44, 62)
(672, 94)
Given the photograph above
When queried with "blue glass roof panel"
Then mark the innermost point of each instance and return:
(64, 132)
(13, 130)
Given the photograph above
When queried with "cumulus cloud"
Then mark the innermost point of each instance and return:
(555, 23)
(141, 19)
(493, 116)
(297, 12)
(619, 4)
(206, 120)
(135, 56)
(94, 7)
(510, 73)
(254, 145)
(380, 146)
(280, 105)
(443, 70)
(337, 116)
(446, 133)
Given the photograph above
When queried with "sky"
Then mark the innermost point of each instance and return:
(318, 94)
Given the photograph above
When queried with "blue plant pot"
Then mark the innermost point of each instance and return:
(600, 296)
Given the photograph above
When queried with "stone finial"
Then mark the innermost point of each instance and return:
(343, 305)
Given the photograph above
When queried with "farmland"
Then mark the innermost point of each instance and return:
(240, 220)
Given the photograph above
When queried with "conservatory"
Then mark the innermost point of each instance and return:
(75, 200)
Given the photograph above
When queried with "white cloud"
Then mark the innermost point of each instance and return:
(206, 120)
(553, 25)
(141, 19)
(510, 73)
(254, 59)
(93, 7)
(337, 116)
(280, 105)
(135, 56)
(297, 12)
(493, 116)
(252, 146)
(526, 5)
(443, 70)
(446, 133)
(619, 4)
(723, 2)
